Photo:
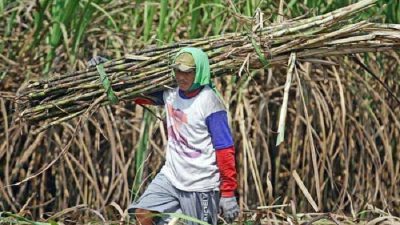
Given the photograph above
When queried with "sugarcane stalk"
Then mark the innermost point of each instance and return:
(148, 70)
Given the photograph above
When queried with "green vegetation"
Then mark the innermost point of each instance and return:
(342, 127)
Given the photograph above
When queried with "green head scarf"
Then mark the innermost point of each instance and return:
(203, 73)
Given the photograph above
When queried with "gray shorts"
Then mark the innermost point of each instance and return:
(161, 196)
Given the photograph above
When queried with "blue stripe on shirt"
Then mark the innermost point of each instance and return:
(220, 132)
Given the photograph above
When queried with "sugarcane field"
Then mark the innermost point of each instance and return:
(250, 112)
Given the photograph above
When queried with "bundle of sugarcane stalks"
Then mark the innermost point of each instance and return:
(63, 97)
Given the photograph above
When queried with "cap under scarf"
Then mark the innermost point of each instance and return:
(203, 74)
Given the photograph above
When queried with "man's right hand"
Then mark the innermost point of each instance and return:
(96, 61)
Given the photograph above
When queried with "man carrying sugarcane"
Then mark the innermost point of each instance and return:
(199, 175)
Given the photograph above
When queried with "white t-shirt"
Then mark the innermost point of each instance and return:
(190, 156)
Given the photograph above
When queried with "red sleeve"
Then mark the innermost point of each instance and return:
(155, 98)
(227, 170)
(143, 101)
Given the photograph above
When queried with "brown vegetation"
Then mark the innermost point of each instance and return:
(340, 153)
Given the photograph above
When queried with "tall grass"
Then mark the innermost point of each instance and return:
(345, 149)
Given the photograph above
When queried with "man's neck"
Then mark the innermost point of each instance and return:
(190, 94)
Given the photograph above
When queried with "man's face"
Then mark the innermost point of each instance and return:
(184, 79)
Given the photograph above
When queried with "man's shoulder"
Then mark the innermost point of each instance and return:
(211, 98)
(209, 93)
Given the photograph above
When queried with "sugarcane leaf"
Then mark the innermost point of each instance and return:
(194, 22)
(184, 16)
(38, 21)
(148, 20)
(259, 52)
(106, 14)
(282, 116)
(163, 20)
(107, 84)
(80, 27)
(141, 152)
(1, 7)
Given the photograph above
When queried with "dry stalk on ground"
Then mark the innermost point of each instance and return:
(341, 139)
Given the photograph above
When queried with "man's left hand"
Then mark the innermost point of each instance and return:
(230, 208)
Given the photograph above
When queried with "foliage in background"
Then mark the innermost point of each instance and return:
(351, 119)
(54, 35)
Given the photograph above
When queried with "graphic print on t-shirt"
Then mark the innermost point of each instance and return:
(179, 119)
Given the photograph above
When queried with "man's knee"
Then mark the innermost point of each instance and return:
(143, 216)
(141, 211)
